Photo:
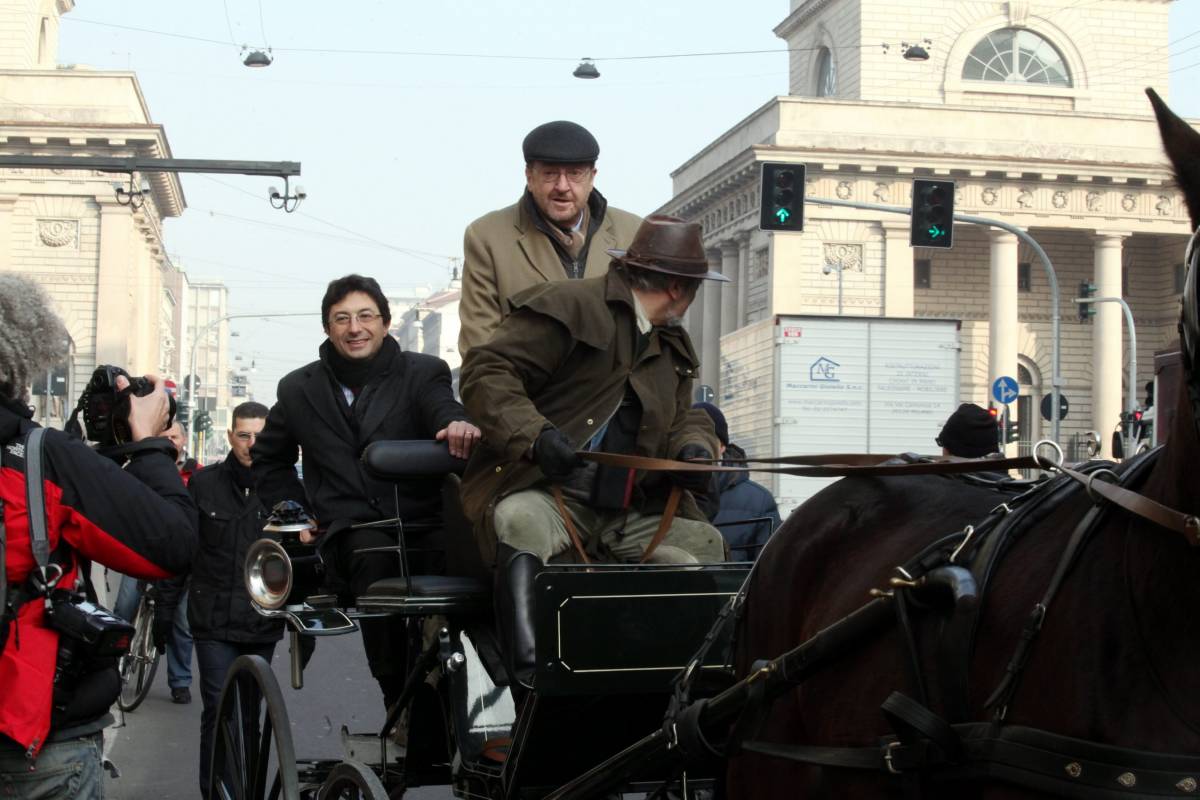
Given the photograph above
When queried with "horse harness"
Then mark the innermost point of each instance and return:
(952, 574)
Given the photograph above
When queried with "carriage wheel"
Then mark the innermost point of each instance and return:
(352, 780)
(139, 664)
(251, 718)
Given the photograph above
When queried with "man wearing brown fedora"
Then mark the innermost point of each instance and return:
(558, 230)
(595, 364)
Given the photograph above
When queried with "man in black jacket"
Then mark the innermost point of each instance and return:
(362, 389)
(224, 625)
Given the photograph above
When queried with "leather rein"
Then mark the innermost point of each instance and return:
(1100, 483)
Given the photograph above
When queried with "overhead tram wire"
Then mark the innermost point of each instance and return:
(406, 250)
(491, 56)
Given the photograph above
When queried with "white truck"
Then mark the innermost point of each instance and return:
(800, 385)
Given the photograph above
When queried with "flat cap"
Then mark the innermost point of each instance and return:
(560, 142)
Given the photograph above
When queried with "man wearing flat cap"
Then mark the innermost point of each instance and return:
(595, 364)
(559, 229)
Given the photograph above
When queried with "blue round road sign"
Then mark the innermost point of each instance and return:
(1005, 389)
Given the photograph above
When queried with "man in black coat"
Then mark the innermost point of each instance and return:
(362, 389)
(223, 622)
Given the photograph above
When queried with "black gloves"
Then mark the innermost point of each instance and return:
(692, 481)
(555, 454)
(161, 630)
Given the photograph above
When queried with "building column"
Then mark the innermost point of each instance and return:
(7, 202)
(898, 270)
(729, 291)
(1002, 312)
(114, 304)
(1106, 338)
(710, 332)
(743, 279)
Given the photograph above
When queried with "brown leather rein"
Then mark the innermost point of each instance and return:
(841, 465)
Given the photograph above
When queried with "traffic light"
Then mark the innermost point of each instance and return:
(1086, 310)
(932, 214)
(999, 420)
(782, 205)
(202, 421)
(1011, 433)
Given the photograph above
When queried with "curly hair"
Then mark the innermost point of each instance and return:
(32, 337)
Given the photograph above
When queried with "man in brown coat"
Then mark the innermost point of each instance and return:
(596, 364)
(559, 229)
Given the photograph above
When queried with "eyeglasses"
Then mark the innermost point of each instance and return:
(574, 174)
(364, 318)
(245, 437)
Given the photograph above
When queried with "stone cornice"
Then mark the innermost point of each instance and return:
(801, 15)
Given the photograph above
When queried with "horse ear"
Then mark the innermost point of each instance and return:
(1182, 143)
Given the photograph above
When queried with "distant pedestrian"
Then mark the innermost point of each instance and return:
(223, 621)
(970, 432)
(746, 512)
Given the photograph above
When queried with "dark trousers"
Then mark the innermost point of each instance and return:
(385, 639)
(215, 658)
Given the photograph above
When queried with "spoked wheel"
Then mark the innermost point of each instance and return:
(251, 720)
(352, 780)
(139, 664)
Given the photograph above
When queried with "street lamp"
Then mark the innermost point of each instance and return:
(203, 334)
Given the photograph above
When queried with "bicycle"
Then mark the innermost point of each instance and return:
(140, 662)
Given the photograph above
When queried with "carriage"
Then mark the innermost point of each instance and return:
(925, 639)
(610, 640)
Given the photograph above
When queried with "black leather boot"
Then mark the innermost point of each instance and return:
(515, 573)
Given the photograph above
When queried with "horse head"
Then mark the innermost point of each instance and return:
(1182, 145)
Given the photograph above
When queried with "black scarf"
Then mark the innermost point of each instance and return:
(242, 476)
(355, 373)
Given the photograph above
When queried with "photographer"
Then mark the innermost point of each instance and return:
(139, 520)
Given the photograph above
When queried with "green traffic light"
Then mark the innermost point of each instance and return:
(935, 232)
(782, 214)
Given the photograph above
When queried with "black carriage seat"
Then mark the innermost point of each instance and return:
(461, 591)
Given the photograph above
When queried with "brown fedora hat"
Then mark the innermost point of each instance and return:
(670, 245)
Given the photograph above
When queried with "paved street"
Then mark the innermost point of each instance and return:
(157, 749)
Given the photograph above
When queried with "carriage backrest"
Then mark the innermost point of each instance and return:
(396, 461)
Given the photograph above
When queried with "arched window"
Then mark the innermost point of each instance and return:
(826, 74)
(1013, 55)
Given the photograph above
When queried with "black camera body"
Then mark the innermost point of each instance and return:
(101, 634)
(106, 410)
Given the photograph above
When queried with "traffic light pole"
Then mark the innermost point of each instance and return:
(1131, 391)
(191, 384)
(1051, 277)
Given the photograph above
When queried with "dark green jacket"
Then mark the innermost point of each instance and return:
(563, 357)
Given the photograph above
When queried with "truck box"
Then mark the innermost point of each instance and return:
(800, 385)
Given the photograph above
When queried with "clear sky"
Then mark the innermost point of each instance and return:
(400, 152)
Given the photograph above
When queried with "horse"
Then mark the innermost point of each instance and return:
(1111, 661)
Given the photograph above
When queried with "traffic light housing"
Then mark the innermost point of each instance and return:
(1086, 310)
(1011, 431)
(202, 421)
(782, 202)
(932, 214)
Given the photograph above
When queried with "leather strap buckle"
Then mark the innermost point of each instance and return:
(887, 758)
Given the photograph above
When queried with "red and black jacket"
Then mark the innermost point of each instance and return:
(138, 520)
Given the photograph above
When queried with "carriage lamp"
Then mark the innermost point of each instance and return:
(268, 574)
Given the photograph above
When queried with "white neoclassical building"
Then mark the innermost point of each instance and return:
(103, 263)
(1036, 110)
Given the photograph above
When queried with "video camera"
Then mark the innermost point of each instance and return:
(106, 410)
